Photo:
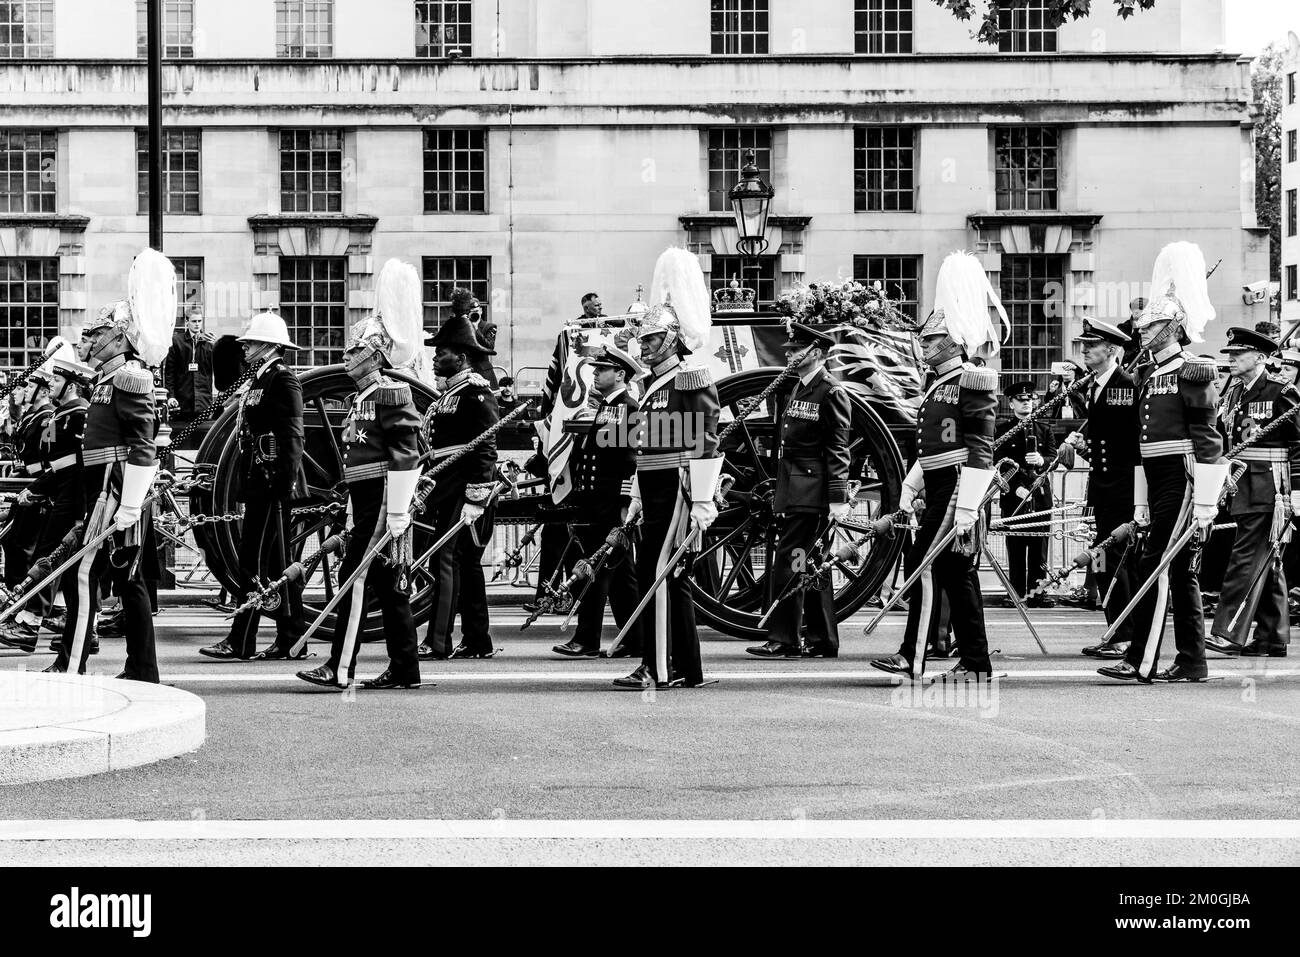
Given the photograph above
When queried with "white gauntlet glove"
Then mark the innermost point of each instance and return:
(633, 510)
(136, 480)
(913, 485)
(703, 515)
(471, 513)
(840, 511)
(1295, 504)
(398, 522)
(971, 486)
(1207, 484)
(1141, 514)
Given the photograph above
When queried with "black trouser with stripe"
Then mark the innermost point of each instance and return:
(263, 556)
(141, 654)
(458, 584)
(1169, 496)
(1252, 549)
(615, 583)
(800, 534)
(669, 638)
(21, 545)
(1112, 511)
(952, 573)
(369, 523)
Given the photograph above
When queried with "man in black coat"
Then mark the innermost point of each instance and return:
(603, 464)
(270, 470)
(188, 369)
(812, 489)
(1111, 446)
(1034, 450)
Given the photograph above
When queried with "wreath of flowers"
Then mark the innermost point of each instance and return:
(845, 302)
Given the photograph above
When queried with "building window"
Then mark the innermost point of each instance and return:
(1290, 146)
(455, 171)
(1290, 88)
(882, 26)
(1031, 293)
(26, 29)
(178, 29)
(1023, 27)
(727, 149)
(181, 161)
(1291, 291)
(1027, 161)
(758, 275)
(884, 164)
(311, 171)
(442, 274)
(304, 28)
(28, 171)
(189, 285)
(739, 26)
(899, 275)
(313, 302)
(442, 26)
(29, 308)
(1290, 212)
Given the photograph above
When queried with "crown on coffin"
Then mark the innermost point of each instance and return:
(734, 298)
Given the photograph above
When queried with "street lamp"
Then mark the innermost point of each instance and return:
(751, 201)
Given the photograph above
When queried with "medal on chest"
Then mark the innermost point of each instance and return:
(252, 397)
(102, 395)
(1120, 397)
(803, 409)
(1163, 385)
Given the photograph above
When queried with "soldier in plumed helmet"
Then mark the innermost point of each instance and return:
(1262, 504)
(678, 468)
(953, 470)
(381, 468)
(119, 462)
(812, 488)
(464, 410)
(270, 435)
(1182, 472)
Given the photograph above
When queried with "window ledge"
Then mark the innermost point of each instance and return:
(702, 221)
(308, 220)
(1028, 217)
(52, 220)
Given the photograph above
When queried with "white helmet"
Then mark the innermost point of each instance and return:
(268, 327)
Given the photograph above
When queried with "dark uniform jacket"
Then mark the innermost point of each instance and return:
(1177, 405)
(61, 446)
(271, 434)
(955, 423)
(1112, 440)
(192, 390)
(120, 423)
(603, 459)
(813, 465)
(1272, 463)
(461, 413)
(380, 432)
(677, 419)
(30, 429)
(1016, 448)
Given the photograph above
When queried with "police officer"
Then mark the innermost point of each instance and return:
(603, 463)
(119, 462)
(1176, 402)
(812, 489)
(1033, 448)
(1261, 506)
(677, 473)
(465, 410)
(270, 434)
(1111, 446)
(381, 467)
(954, 467)
(28, 512)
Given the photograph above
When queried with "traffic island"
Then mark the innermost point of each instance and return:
(63, 726)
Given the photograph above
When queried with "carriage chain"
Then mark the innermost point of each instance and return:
(309, 510)
(185, 522)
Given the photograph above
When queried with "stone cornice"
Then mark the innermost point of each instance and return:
(309, 220)
(51, 220)
(704, 221)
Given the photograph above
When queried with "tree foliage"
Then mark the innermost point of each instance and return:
(1056, 12)
(1266, 85)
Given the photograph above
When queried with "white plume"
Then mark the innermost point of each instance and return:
(398, 304)
(1180, 271)
(151, 294)
(964, 293)
(679, 282)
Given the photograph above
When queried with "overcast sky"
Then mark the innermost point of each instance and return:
(1254, 24)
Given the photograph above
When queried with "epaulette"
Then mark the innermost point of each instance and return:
(392, 392)
(692, 380)
(1198, 370)
(979, 378)
(1277, 377)
(133, 378)
(478, 381)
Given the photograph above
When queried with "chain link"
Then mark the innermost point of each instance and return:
(309, 510)
(184, 523)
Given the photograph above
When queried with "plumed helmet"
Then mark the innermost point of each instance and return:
(1180, 291)
(682, 295)
(151, 294)
(394, 329)
(963, 295)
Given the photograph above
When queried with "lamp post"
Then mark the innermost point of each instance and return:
(751, 201)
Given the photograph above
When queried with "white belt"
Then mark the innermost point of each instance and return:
(33, 468)
(360, 473)
(65, 462)
(944, 459)
(1264, 455)
(104, 456)
(662, 460)
(1154, 450)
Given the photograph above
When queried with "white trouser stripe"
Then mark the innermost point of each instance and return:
(358, 597)
(1156, 630)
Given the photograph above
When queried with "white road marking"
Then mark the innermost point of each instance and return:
(1106, 829)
